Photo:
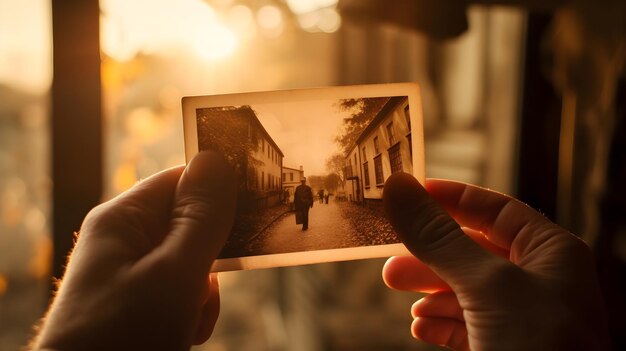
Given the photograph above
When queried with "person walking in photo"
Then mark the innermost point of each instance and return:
(303, 200)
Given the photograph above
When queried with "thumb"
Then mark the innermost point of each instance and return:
(203, 211)
(432, 235)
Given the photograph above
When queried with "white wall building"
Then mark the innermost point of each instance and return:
(383, 148)
(291, 179)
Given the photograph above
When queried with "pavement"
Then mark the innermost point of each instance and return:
(328, 229)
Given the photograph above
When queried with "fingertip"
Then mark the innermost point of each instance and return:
(415, 308)
(408, 273)
(395, 272)
(400, 192)
(388, 270)
(209, 312)
(440, 331)
(415, 328)
(207, 165)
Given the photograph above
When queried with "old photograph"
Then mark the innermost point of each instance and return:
(310, 173)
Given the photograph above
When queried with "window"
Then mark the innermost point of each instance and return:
(364, 154)
(366, 175)
(262, 145)
(262, 180)
(390, 134)
(291, 177)
(407, 115)
(376, 147)
(284, 176)
(349, 171)
(355, 162)
(378, 170)
(410, 145)
(395, 159)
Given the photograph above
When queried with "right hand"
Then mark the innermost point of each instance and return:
(522, 283)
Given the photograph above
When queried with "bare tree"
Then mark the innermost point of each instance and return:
(227, 130)
(335, 165)
(362, 111)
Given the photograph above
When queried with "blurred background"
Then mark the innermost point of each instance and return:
(522, 96)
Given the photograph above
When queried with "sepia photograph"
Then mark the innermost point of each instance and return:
(310, 173)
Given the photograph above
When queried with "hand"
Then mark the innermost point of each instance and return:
(522, 283)
(138, 277)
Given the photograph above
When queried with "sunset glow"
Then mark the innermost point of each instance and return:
(26, 44)
(158, 26)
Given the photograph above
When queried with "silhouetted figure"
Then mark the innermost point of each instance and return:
(303, 200)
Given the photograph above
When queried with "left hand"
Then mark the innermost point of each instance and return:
(138, 277)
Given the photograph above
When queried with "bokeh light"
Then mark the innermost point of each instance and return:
(216, 42)
(269, 17)
(300, 7)
(25, 53)
(241, 19)
(158, 26)
(329, 20)
(4, 284)
(316, 16)
(270, 20)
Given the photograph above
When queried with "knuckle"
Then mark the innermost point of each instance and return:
(97, 216)
(195, 208)
(115, 215)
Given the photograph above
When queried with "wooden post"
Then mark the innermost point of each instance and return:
(76, 122)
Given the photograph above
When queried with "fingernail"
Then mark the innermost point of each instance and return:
(413, 328)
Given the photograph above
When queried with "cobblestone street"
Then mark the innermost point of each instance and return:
(331, 226)
(328, 229)
(372, 226)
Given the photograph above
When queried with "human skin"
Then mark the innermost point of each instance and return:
(508, 280)
(138, 277)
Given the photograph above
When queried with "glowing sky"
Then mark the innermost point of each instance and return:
(305, 131)
(26, 44)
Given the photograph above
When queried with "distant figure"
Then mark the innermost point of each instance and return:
(326, 198)
(303, 200)
(286, 199)
(320, 196)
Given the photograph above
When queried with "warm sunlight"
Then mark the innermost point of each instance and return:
(150, 26)
(26, 45)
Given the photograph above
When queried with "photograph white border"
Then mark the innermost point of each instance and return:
(191, 103)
